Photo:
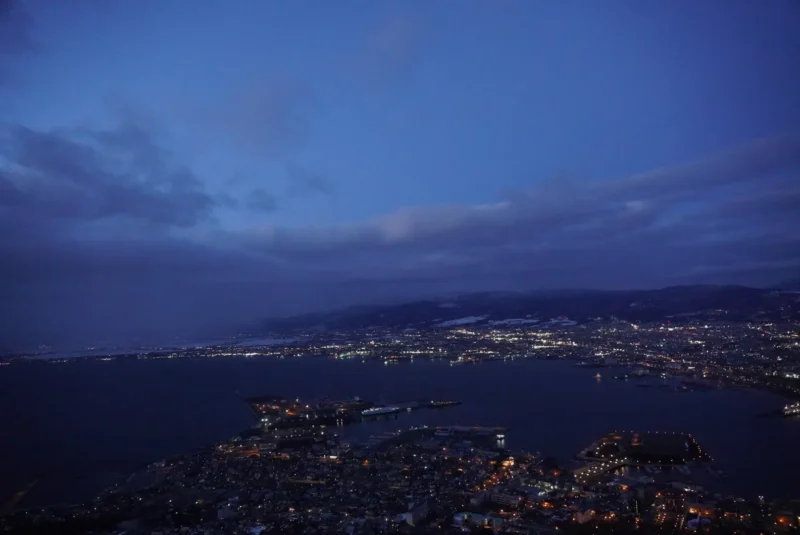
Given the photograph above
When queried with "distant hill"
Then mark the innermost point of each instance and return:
(792, 284)
(729, 303)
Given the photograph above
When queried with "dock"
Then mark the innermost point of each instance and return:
(648, 450)
(277, 412)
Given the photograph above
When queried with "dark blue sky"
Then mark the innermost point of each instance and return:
(174, 165)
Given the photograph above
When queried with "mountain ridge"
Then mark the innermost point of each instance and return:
(728, 302)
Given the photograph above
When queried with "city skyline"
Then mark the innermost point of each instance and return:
(168, 170)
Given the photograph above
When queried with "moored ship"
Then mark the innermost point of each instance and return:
(443, 403)
(377, 411)
(792, 409)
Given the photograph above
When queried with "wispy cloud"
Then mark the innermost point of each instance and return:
(260, 201)
(16, 36)
(270, 118)
(654, 225)
(393, 49)
(302, 181)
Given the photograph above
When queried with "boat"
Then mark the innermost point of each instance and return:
(444, 403)
(792, 409)
(377, 411)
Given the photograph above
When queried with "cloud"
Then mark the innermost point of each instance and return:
(106, 223)
(629, 205)
(269, 118)
(16, 37)
(393, 49)
(15, 28)
(779, 200)
(268, 121)
(87, 176)
(261, 201)
(302, 181)
(646, 229)
(751, 161)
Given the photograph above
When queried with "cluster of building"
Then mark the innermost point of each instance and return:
(758, 353)
(422, 480)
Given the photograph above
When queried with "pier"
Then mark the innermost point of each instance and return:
(276, 413)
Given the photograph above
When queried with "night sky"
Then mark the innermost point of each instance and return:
(173, 167)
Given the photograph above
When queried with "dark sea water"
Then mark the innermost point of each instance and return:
(81, 426)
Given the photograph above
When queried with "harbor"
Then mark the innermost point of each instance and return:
(714, 418)
(276, 413)
(648, 454)
(652, 448)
